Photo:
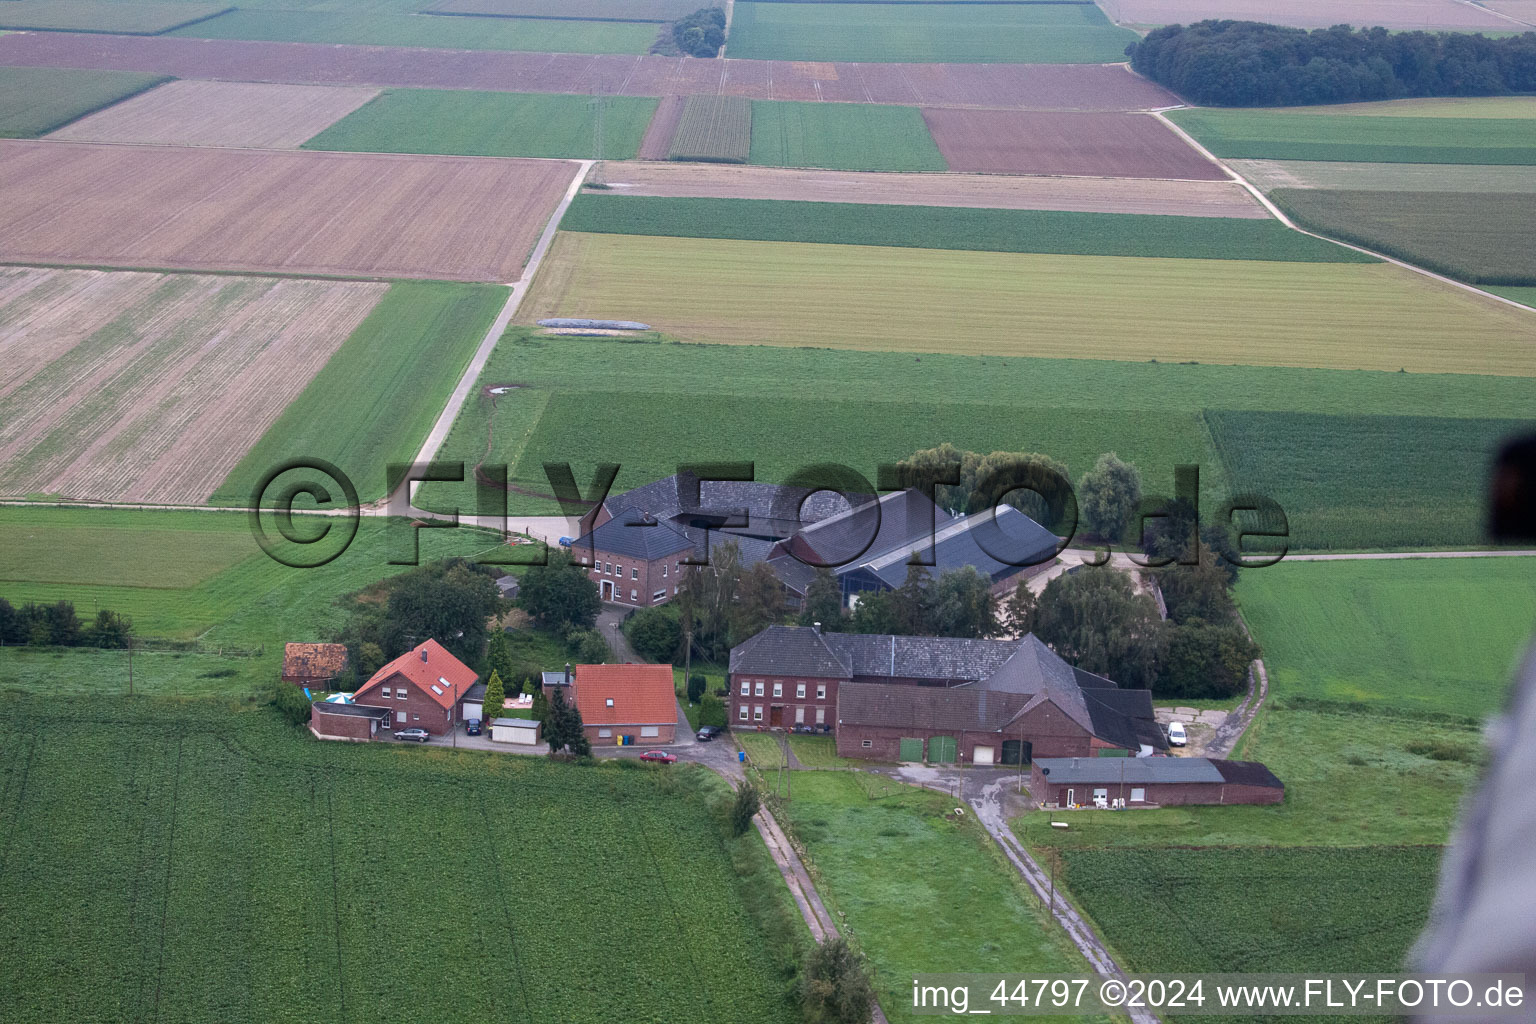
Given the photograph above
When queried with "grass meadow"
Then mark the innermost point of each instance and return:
(467, 123)
(842, 136)
(1477, 237)
(950, 227)
(374, 401)
(36, 101)
(1266, 135)
(1428, 635)
(540, 35)
(898, 866)
(201, 863)
(99, 16)
(1525, 295)
(951, 33)
(1333, 316)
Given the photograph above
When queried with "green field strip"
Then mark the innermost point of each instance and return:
(1525, 295)
(374, 401)
(1274, 174)
(36, 101)
(465, 123)
(715, 129)
(951, 33)
(932, 227)
(1240, 134)
(842, 137)
(1478, 237)
(459, 33)
(97, 16)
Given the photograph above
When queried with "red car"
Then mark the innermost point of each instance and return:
(659, 756)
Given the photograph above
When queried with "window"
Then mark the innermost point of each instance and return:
(620, 573)
(605, 734)
(800, 690)
(664, 568)
(866, 744)
(757, 713)
(821, 691)
(415, 718)
(607, 568)
(660, 595)
(634, 573)
(650, 731)
(778, 689)
(386, 693)
(746, 687)
(821, 716)
(759, 688)
(634, 595)
(799, 715)
(743, 715)
(609, 702)
(400, 694)
(1138, 795)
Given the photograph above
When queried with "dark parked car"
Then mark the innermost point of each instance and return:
(708, 732)
(419, 735)
(659, 756)
(472, 727)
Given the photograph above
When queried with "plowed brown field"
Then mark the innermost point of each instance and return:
(460, 218)
(1405, 15)
(1064, 142)
(658, 134)
(1016, 86)
(151, 387)
(240, 114)
(998, 192)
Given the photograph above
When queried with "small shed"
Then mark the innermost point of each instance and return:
(517, 731)
(1151, 781)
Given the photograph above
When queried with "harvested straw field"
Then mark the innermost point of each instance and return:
(99, 16)
(1329, 316)
(243, 115)
(1448, 15)
(714, 129)
(150, 387)
(204, 209)
(1268, 174)
(34, 101)
(1521, 11)
(657, 141)
(1017, 86)
(1054, 142)
(1269, 135)
(586, 10)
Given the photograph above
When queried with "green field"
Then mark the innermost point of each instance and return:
(1246, 134)
(203, 864)
(1257, 910)
(1436, 106)
(35, 101)
(842, 136)
(374, 401)
(1525, 295)
(1432, 635)
(898, 867)
(1272, 174)
(539, 35)
(1353, 482)
(1478, 237)
(946, 227)
(717, 129)
(954, 33)
(98, 16)
(1339, 316)
(464, 123)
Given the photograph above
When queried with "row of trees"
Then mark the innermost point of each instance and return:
(700, 34)
(58, 625)
(1246, 64)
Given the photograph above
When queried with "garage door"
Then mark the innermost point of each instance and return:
(911, 749)
(941, 749)
(1016, 751)
(983, 755)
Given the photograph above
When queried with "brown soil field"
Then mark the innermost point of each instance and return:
(1061, 142)
(658, 134)
(1013, 86)
(998, 192)
(234, 114)
(1392, 14)
(151, 387)
(1523, 11)
(372, 215)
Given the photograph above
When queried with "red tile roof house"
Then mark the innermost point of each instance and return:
(313, 664)
(638, 701)
(421, 689)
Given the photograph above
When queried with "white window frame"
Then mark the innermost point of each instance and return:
(1138, 794)
(778, 689)
(659, 595)
(821, 691)
(634, 572)
(757, 713)
(800, 690)
(650, 732)
(821, 716)
(866, 744)
(746, 687)
(387, 694)
(758, 689)
(634, 595)
(605, 734)
(799, 714)
(744, 713)
(664, 568)
(401, 694)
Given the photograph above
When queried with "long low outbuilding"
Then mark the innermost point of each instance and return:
(1062, 782)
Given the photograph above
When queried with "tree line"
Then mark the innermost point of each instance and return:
(700, 34)
(59, 625)
(1250, 64)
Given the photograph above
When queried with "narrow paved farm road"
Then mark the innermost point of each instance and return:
(1279, 214)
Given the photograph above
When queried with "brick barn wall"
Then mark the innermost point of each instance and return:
(422, 712)
(1160, 794)
(885, 742)
(339, 727)
(644, 578)
(668, 734)
(736, 701)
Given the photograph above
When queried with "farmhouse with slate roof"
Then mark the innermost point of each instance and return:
(1152, 781)
(935, 698)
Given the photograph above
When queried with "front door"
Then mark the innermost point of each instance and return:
(776, 716)
(605, 590)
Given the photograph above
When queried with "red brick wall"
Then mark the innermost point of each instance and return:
(885, 743)
(1162, 795)
(643, 578)
(787, 700)
(421, 711)
(339, 727)
(668, 734)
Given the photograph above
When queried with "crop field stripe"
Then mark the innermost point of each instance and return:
(96, 16)
(37, 100)
(170, 863)
(841, 136)
(494, 857)
(714, 128)
(959, 228)
(1344, 137)
(1322, 174)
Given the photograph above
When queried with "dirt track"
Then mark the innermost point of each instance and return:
(999, 192)
(658, 134)
(1018, 86)
(457, 218)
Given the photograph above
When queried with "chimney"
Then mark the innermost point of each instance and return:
(567, 673)
(423, 652)
(817, 627)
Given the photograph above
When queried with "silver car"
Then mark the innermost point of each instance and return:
(419, 735)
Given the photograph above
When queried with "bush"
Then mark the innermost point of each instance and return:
(290, 702)
(702, 33)
(654, 633)
(696, 686)
(743, 808)
(834, 986)
(712, 712)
